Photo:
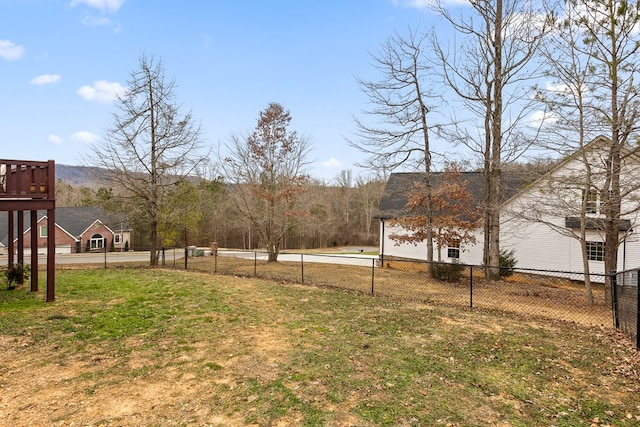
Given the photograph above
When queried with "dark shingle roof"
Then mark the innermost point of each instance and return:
(394, 199)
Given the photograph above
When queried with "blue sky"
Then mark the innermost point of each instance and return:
(61, 60)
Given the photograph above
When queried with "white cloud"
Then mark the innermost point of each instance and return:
(92, 21)
(84, 137)
(427, 4)
(10, 51)
(540, 117)
(102, 91)
(54, 139)
(45, 79)
(332, 163)
(560, 88)
(103, 5)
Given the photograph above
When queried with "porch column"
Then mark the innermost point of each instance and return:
(51, 254)
(34, 251)
(21, 237)
(10, 232)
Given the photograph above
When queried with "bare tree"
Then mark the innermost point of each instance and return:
(400, 100)
(149, 147)
(267, 170)
(570, 125)
(486, 67)
(592, 57)
(610, 30)
(368, 193)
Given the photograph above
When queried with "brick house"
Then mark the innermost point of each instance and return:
(78, 229)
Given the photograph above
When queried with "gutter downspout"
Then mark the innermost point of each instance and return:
(382, 243)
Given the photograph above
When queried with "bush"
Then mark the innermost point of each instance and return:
(447, 272)
(16, 274)
(508, 262)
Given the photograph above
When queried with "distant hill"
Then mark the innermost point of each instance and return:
(79, 176)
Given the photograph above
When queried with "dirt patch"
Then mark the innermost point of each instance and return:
(227, 366)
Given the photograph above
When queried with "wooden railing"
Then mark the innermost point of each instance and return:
(26, 179)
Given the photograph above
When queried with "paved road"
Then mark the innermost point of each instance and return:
(349, 259)
(111, 257)
(171, 255)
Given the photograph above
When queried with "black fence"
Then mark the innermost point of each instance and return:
(557, 295)
(626, 300)
(550, 294)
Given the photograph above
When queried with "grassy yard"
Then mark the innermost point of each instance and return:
(132, 347)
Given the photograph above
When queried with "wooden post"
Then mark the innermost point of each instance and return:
(10, 233)
(51, 254)
(51, 231)
(20, 237)
(34, 251)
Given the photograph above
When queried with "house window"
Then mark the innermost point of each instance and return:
(117, 238)
(595, 251)
(44, 231)
(453, 252)
(96, 242)
(592, 201)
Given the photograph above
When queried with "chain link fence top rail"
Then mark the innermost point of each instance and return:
(553, 295)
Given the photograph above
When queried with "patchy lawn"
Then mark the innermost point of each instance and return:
(129, 347)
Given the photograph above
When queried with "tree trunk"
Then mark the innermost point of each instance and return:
(273, 251)
(612, 196)
(496, 150)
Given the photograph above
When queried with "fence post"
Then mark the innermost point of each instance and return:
(614, 299)
(215, 262)
(255, 263)
(302, 266)
(105, 253)
(471, 286)
(373, 269)
(164, 263)
(186, 256)
(638, 309)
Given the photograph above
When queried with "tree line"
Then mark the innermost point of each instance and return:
(201, 210)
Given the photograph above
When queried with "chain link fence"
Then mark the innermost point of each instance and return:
(626, 303)
(549, 294)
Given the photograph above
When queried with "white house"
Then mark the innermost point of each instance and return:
(539, 215)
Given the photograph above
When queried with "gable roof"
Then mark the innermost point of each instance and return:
(394, 199)
(74, 220)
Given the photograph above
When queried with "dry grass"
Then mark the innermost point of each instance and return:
(154, 347)
(554, 298)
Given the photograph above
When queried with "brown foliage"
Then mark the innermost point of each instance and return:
(454, 212)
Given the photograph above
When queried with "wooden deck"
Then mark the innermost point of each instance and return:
(27, 185)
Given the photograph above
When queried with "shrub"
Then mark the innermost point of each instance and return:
(447, 272)
(16, 274)
(508, 262)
